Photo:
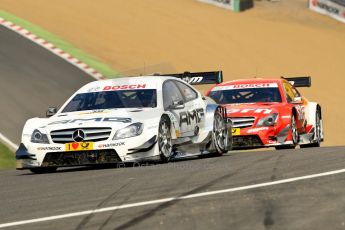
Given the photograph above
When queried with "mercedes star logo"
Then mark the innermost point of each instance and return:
(78, 135)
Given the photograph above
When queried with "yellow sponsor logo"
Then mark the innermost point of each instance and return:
(236, 131)
(79, 146)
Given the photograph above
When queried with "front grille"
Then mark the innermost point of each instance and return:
(241, 122)
(91, 134)
(77, 158)
(250, 141)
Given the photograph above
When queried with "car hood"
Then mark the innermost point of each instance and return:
(114, 118)
(253, 109)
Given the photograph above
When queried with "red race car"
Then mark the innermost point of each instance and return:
(270, 113)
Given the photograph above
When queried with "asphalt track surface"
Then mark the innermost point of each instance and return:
(32, 78)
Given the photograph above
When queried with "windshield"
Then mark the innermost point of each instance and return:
(112, 100)
(247, 95)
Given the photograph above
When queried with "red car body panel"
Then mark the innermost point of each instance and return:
(252, 135)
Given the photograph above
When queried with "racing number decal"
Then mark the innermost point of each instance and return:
(79, 146)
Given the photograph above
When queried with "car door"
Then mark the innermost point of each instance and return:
(193, 115)
(295, 98)
(174, 103)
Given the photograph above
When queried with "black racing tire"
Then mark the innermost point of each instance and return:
(295, 136)
(164, 140)
(318, 132)
(42, 170)
(220, 135)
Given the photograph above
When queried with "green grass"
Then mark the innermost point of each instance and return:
(7, 158)
(65, 46)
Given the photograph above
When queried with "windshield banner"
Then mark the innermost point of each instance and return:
(332, 8)
(246, 86)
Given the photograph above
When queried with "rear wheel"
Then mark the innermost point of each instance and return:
(43, 170)
(318, 131)
(164, 140)
(220, 135)
(294, 134)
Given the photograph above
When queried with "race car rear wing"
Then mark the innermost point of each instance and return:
(199, 78)
(299, 81)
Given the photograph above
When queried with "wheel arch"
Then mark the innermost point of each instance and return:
(209, 115)
(172, 124)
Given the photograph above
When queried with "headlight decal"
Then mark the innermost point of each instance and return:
(270, 120)
(38, 137)
(132, 130)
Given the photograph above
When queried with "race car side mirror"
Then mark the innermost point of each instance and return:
(297, 100)
(177, 105)
(51, 111)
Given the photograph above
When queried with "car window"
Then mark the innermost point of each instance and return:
(112, 100)
(246, 95)
(290, 92)
(170, 94)
(188, 93)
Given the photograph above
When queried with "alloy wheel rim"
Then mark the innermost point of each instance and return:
(318, 128)
(220, 133)
(294, 130)
(165, 145)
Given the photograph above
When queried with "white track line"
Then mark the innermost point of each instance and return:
(8, 142)
(144, 203)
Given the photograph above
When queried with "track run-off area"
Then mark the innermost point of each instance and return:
(289, 189)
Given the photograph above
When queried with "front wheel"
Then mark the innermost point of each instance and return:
(164, 140)
(294, 134)
(317, 132)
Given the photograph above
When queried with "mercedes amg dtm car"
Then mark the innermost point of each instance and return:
(270, 113)
(127, 120)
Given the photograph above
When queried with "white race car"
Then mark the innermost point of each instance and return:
(127, 120)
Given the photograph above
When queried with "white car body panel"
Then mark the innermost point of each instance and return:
(31, 155)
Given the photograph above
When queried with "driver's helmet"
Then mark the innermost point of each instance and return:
(265, 95)
(146, 99)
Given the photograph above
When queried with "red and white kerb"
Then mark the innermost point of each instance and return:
(52, 48)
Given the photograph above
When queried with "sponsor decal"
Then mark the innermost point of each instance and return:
(192, 80)
(79, 146)
(255, 130)
(333, 8)
(186, 117)
(111, 145)
(235, 131)
(94, 89)
(246, 86)
(258, 111)
(98, 119)
(94, 111)
(49, 148)
(286, 117)
(271, 142)
(120, 87)
(328, 8)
